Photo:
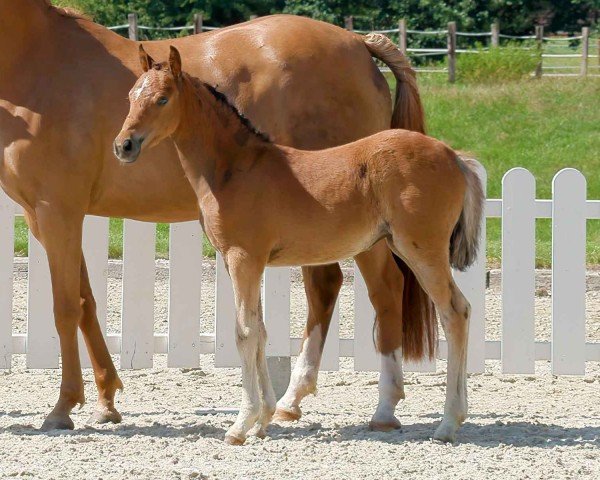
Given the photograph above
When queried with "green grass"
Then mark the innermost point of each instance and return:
(543, 125)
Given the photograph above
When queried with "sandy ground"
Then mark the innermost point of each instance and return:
(519, 427)
(537, 426)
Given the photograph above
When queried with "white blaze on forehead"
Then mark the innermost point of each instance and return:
(138, 91)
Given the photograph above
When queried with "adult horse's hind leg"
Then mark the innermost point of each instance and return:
(322, 285)
(60, 234)
(385, 284)
(105, 373)
(258, 399)
(433, 271)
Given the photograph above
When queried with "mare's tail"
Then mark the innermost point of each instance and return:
(408, 110)
(419, 325)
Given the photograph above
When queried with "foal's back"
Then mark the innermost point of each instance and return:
(351, 193)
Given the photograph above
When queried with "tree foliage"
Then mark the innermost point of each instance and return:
(515, 16)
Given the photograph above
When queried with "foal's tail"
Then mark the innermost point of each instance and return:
(464, 242)
(408, 110)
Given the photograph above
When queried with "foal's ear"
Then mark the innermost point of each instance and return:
(175, 62)
(145, 60)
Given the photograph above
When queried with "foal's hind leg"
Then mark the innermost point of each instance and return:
(322, 285)
(251, 337)
(433, 271)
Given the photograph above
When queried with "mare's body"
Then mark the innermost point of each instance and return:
(63, 88)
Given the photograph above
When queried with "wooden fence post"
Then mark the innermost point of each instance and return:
(585, 43)
(402, 37)
(349, 23)
(495, 34)
(539, 39)
(198, 23)
(133, 26)
(451, 52)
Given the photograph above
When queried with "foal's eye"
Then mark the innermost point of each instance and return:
(162, 101)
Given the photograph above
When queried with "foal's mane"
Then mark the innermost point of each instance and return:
(222, 99)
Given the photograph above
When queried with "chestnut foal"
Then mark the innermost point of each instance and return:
(265, 204)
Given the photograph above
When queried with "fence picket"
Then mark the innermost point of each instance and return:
(42, 337)
(276, 310)
(137, 341)
(568, 272)
(226, 354)
(95, 249)
(518, 271)
(7, 222)
(366, 358)
(185, 283)
(472, 284)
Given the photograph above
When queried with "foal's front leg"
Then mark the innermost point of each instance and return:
(251, 339)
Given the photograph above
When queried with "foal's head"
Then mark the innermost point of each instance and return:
(154, 110)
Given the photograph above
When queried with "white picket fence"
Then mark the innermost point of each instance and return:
(137, 343)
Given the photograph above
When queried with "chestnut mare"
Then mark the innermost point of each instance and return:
(265, 204)
(309, 84)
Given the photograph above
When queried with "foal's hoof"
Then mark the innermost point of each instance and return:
(106, 415)
(385, 426)
(446, 432)
(292, 414)
(57, 422)
(233, 440)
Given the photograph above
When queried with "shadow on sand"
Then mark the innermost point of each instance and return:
(502, 432)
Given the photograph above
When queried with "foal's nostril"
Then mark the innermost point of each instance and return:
(127, 145)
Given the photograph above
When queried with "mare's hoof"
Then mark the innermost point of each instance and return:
(106, 415)
(57, 422)
(385, 426)
(287, 415)
(233, 440)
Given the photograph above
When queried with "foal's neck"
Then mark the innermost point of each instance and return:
(213, 139)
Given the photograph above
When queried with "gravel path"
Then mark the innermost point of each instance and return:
(519, 426)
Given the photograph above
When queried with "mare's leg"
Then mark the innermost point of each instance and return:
(251, 339)
(433, 271)
(60, 234)
(105, 373)
(322, 285)
(385, 284)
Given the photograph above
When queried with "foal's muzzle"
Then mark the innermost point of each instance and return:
(128, 149)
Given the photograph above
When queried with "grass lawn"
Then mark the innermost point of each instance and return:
(543, 125)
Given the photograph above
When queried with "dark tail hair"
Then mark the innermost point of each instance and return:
(419, 324)
(464, 242)
(408, 109)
